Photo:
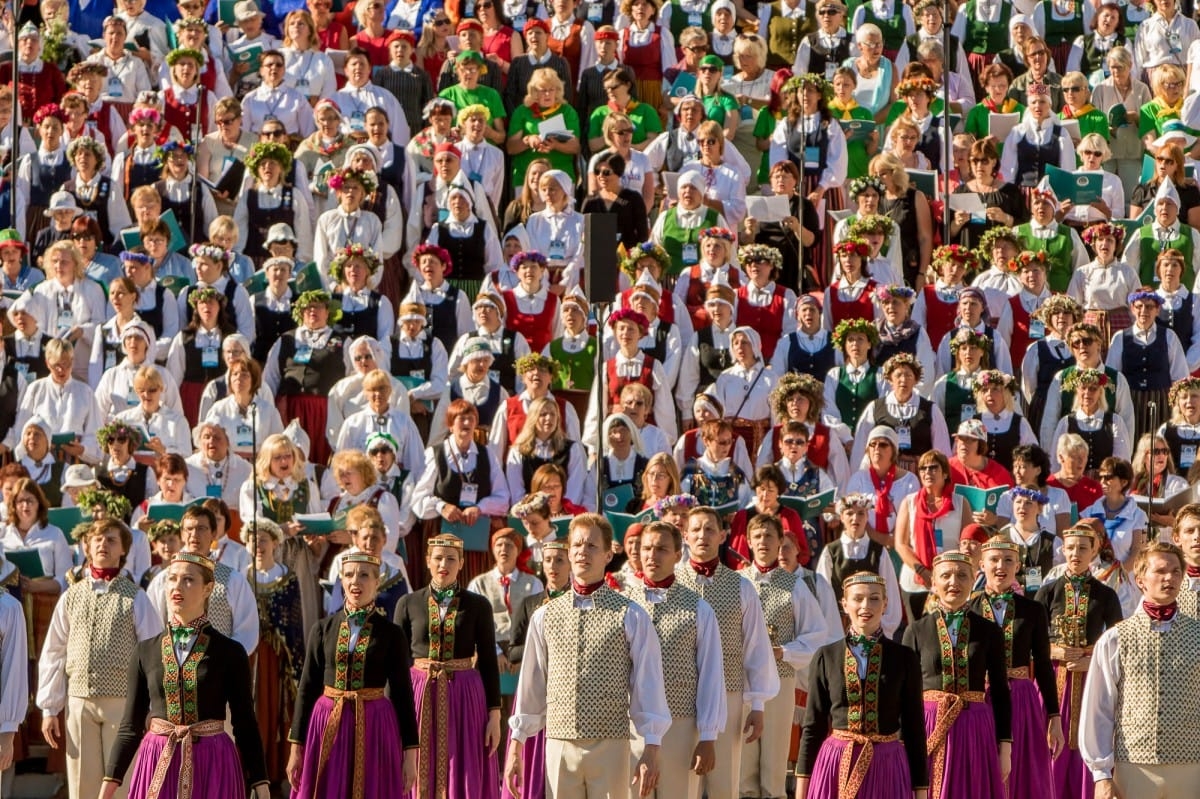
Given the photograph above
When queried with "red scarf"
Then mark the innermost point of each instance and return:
(586, 590)
(1160, 612)
(707, 569)
(883, 497)
(103, 574)
(662, 584)
(1193, 571)
(923, 524)
(768, 568)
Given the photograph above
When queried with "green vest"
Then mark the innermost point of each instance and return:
(680, 19)
(1149, 247)
(580, 366)
(1068, 397)
(959, 401)
(986, 37)
(1059, 31)
(675, 238)
(853, 398)
(1060, 251)
(784, 35)
(892, 28)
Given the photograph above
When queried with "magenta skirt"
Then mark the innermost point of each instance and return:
(1072, 779)
(1030, 777)
(533, 771)
(972, 757)
(383, 759)
(473, 774)
(887, 777)
(216, 769)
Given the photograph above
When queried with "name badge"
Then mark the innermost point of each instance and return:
(595, 12)
(830, 68)
(23, 368)
(210, 358)
(1187, 455)
(302, 83)
(131, 397)
(494, 374)
(303, 354)
(557, 250)
(1037, 329)
(1033, 578)
(691, 255)
(212, 490)
(695, 19)
(518, 23)
(443, 214)
(968, 412)
(110, 360)
(469, 496)
(66, 320)
(243, 436)
(114, 88)
(475, 177)
(812, 157)
(904, 433)
(937, 538)
(358, 122)
(419, 374)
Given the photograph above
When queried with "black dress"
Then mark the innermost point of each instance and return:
(1008, 198)
(903, 211)
(633, 226)
(774, 235)
(521, 615)
(1189, 197)
(1030, 642)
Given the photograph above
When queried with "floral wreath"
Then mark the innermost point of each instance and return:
(1030, 493)
(846, 327)
(914, 85)
(145, 115)
(861, 500)
(114, 504)
(366, 177)
(212, 252)
(859, 185)
(1085, 377)
(162, 528)
(204, 294)
(180, 53)
(337, 266)
(183, 23)
(1102, 230)
(50, 110)
(533, 361)
(268, 151)
(996, 234)
(1025, 259)
(315, 297)
(870, 223)
(852, 246)
(86, 143)
(798, 382)
(137, 257)
(172, 146)
(674, 501)
(903, 359)
(761, 252)
(117, 429)
(797, 82)
(718, 233)
(994, 377)
(628, 315)
(536, 503)
(441, 253)
(1184, 386)
(893, 292)
(957, 253)
(1059, 303)
(647, 249)
(965, 337)
(1145, 293)
(525, 256)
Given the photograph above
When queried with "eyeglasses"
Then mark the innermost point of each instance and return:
(1105, 476)
(226, 121)
(379, 451)
(272, 65)
(1082, 342)
(871, 45)
(273, 133)
(697, 48)
(1161, 451)
(442, 21)
(1072, 88)
(932, 467)
(709, 141)
(829, 12)
(83, 237)
(603, 173)
(710, 69)
(1175, 84)
(795, 442)
(1165, 159)
(1096, 153)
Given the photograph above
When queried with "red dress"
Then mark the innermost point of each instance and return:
(991, 476)
(839, 310)
(1020, 339)
(499, 44)
(36, 89)
(183, 117)
(1084, 493)
(376, 47)
(939, 316)
(696, 291)
(616, 383)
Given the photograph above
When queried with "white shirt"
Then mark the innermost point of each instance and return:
(311, 72)
(227, 476)
(71, 407)
(49, 543)
(243, 429)
(812, 631)
(14, 661)
(285, 104)
(856, 549)
(242, 605)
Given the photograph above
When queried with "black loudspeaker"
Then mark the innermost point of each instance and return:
(599, 257)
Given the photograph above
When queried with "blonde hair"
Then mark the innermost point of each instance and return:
(147, 377)
(899, 178)
(70, 249)
(375, 380)
(528, 436)
(274, 445)
(224, 225)
(544, 78)
(356, 460)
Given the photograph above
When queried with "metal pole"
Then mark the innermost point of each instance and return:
(947, 134)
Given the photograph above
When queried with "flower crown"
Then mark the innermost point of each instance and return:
(994, 377)
(1085, 377)
(885, 293)
(211, 252)
(527, 255)
(204, 294)
(180, 53)
(316, 297)
(647, 249)
(957, 253)
(268, 151)
(674, 501)
(914, 85)
(115, 505)
(1029, 493)
(137, 257)
(797, 82)
(903, 359)
(337, 266)
(118, 429)
(1181, 387)
(366, 177)
(993, 235)
(859, 185)
(1144, 293)
(145, 115)
(870, 223)
(50, 110)
(536, 503)
(163, 528)
(846, 327)
(1026, 258)
(797, 382)
(852, 246)
(1102, 230)
(1058, 303)
(863, 501)
(760, 252)
(965, 337)
(533, 360)
(628, 315)
(718, 233)
(441, 253)
(171, 146)
(85, 143)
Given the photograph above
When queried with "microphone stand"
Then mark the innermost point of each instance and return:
(600, 310)
(947, 134)
(193, 212)
(254, 487)
(1152, 411)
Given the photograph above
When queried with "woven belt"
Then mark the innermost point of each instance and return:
(1022, 673)
(340, 698)
(435, 721)
(851, 776)
(178, 734)
(948, 707)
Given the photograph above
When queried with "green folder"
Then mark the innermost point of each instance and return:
(65, 519)
(309, 279)
(1116, 116)
(175, 283)
(924, 180)
(250, 55)
(617, 498)
(1080, 189)
(170, 511)
(226, 13)
(981, 499)
(858, 129)
(58, 439)
(621, 522)
(132, 236)
(560, 526)
(27, 561)
(809, 507)
(321, 523)
(476, 537)
(256, 283)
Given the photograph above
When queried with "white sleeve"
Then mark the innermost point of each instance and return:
(245, 612)
(52, 663)
(811, 629)
(1097, 722)
(711, 710)
(14, 658)
(529, 703)
(761, 675)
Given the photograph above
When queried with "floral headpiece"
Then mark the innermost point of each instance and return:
(859, 185)
(537, 503)
(172, 146)
(628, 315)
(183, 23)
(268, 151)
(870, 223)
(1058, 304)
(1085, 377)
(965, 337)
(118, 429)
(852, 246)
(993, 235)
(1102, 230)
(441, 253)
(647, 249)
(1030, 493)
(1182, 387)
(145, 115)
(893, 291)
(903, 359)
(994, 377)
(914, 85)
(137, 257)
(180, 53)
(798, 382)
(532, 361)
(957, 253)
(527, 255)
(1025, 259)
(50, 110)
(86, 143)
(760, 252)
(115, 505)
(674, 501)
(212, 252)
(337, 266)
(204, 294)
(797, 82)
(861, 501)
(718, 233)
(1145, 293)
(163, 528)
(316, 297)
(848, 326)
(366, 177)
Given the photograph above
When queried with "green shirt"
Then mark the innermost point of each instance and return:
(1094, 121)
(524, 123)
(644, 118)
(716, 106)
(1150, 121)
(976, 122)
(480, 95)
(857, 160)
(764, 127)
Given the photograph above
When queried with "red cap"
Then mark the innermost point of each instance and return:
(975, 532)
(537, 23)
(396, 36)
(447, 147)
(607, 36)
(465, 23)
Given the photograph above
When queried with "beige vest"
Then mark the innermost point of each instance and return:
(1158, 706)
(1189, 601)
(724, 593)
(775, 596)
(103, 639)
(675, 620)
(220, 613)
(587, 669)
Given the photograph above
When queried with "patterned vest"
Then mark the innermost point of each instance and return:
(775, 596)
(1158, 713)
(724, 593)
(220, 613)
(102, 640)
(588, 668)
(675, 620)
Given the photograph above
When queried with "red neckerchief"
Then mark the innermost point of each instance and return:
(1193, 571)
(586, 590)
(770, 567)
(1160, 612)
(707, 568)
(103, 574)
(883, 497)
(662, 584)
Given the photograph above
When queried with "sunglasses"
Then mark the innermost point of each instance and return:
(981, 160)
(226, 121)
(710, 69)
(440, 22)
(1105, 476)
(1161, 451)
(699, 48)
(1096, 153)
(795, 442)
(603, 173)
(829, 12)
(1083, 342)
(379, 450)
(709, 141)
(1072, 88)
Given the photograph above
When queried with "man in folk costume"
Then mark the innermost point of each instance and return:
(89, 648)
(796, 629)
(592, 665)
(751, 676)
(1165, 231)
(1139, 732)
(1063, 247)
(232, 608)
(691, 653)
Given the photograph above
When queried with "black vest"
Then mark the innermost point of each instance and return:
(531, 463)
(262, 219)
(315, 378)
(134, 487)
(405, 367)
(713, 361)
(797, 141)
(448, 486)
(96, 208)
(194, 370)
(270, 325)
(1180, 321)
(487, 411)
(820, 57)
(469, 255)
(45, 180)
(1032, 159)
(442, 319)
(1145, 366)
(920, 426)
(842, 567)
(1100, 442)
(1001, 445)
(363, 322)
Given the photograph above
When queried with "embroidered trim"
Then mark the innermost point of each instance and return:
(179, 682)
(954, 655)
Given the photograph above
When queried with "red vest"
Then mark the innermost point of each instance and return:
(666, 305)
(692, 445)
(696, 291)
(182, 117)
(939, 316)
(615, 384)
(766, 319)
(570, 48)
(1020, 339)
(514, 416)
(644, 60)
(102, 120)
(862, 308)
(537, 329)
